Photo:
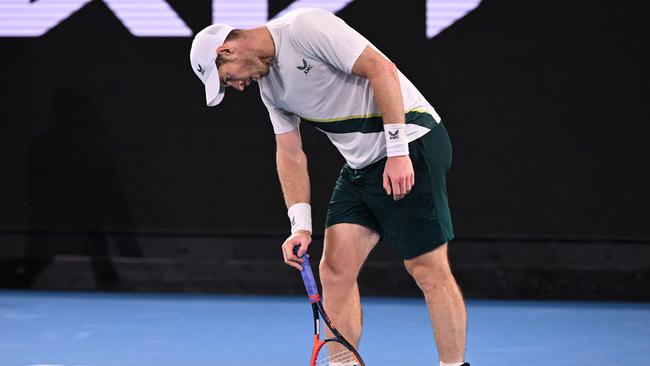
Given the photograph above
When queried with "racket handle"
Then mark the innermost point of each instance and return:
(308, 278)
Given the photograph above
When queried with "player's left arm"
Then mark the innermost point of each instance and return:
(382, 74)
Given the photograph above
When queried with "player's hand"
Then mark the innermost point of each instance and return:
(300, 238)
(399, 177)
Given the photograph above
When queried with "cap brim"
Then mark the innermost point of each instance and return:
(214, 91)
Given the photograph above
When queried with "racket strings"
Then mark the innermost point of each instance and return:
(343, 358)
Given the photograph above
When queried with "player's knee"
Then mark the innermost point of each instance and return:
(333, 273)
(431, 279)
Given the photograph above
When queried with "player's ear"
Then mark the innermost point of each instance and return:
(224, 50)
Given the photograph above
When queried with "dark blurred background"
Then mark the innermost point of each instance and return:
(116, 176)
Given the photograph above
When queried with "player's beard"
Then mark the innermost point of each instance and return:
(257, 66)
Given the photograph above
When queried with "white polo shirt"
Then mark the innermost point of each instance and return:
(311, 81)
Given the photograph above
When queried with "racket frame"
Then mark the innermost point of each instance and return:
(319, 312)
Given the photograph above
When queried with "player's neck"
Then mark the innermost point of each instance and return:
(259, 39)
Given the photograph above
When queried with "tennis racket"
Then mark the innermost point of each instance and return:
(335, 351)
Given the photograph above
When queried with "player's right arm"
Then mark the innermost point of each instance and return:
(291, 162)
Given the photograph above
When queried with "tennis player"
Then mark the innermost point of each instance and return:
(311, 67)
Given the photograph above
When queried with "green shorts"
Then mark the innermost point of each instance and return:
(416, 224)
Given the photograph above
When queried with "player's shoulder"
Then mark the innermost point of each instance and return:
(297, 20)
(310, 13)
(303, 18)
(307, 13)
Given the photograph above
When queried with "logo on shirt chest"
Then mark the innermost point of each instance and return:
(305, 67)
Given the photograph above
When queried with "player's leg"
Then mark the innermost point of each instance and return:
(444, 300)
(432, 154)
(346, 248)
(352, 232)
(419, 226)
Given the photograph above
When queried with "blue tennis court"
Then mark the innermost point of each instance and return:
(118, 329)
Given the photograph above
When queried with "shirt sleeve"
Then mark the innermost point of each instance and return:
(282, 120)
(324, 36)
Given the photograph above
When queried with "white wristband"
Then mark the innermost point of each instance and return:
(396, 141)
(300, 217)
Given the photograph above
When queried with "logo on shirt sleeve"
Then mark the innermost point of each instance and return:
(305, 67)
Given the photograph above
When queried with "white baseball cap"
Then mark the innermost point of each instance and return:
(202, 57)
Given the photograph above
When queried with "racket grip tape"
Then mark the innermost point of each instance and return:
(308, 278)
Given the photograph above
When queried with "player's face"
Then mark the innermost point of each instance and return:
(240, 70)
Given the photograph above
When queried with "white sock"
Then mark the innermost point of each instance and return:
(451, 364)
